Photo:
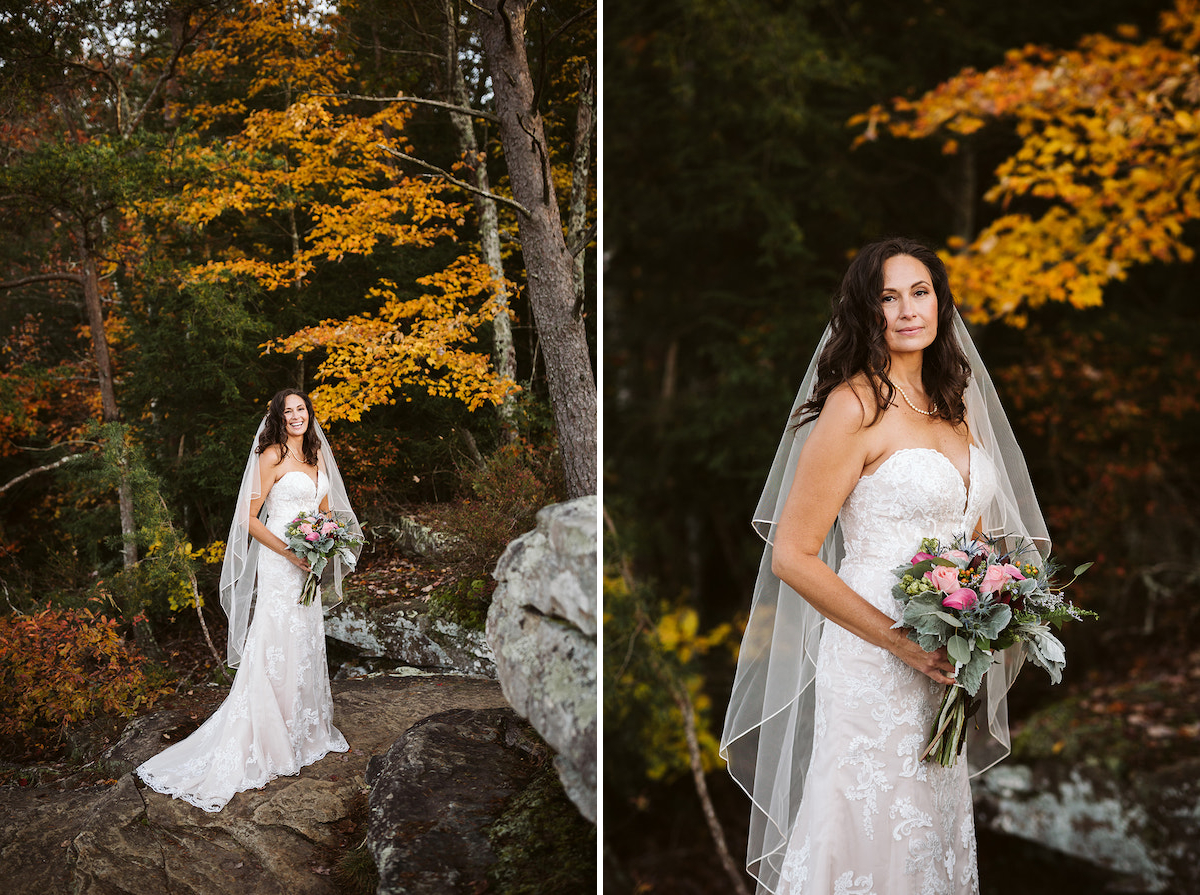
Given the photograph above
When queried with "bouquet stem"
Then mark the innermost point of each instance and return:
(949, 730)
(309, 591)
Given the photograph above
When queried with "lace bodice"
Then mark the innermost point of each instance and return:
(296, 490)
(916, 493)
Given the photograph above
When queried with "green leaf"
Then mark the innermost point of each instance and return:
(1079, 570)
(924, 566)
(948, 619)
(924, 616)
(970, 676)
(996, 621)
(959, 650)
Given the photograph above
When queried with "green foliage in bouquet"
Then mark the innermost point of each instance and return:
(974, 599)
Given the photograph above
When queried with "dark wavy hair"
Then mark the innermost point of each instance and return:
(858, 344)
(275, 431)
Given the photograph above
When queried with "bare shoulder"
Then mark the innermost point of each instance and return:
(272, 455)
(848, 407)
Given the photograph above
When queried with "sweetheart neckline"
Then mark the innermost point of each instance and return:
(966, 483)
(317, 482)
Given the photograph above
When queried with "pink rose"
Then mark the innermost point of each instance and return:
(1013, 571)
(329, 526)
(994, 579)
(313, 536)
(921, 557)
(944, 578)
(963, 598)
(306, 528)
(957, 554)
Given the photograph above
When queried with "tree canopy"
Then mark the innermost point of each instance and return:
(205, 202)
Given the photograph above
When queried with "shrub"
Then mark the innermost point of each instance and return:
(505, 495)
(61, 667)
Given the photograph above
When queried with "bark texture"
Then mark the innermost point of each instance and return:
(504, 351)
(548, 261)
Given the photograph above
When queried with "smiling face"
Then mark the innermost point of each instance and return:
(910, 306)
(295, 416)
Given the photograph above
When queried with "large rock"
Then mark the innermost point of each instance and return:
(436, 793)
(125, 838)
(1145, 829)
(404, 631)
(542, 630)
(417, 539)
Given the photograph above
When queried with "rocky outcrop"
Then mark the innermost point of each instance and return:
(1145, 830)
(405, 632)
(436, 793)
(542, 630)
(418, 539)
(125, 838)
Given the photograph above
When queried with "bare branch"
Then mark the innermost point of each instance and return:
(42, 278)
(169, 69)
(197, 600)
(570, 23)
(56, 446)
(49, 466)
(683, 702)
(417, 100)
(461, 184)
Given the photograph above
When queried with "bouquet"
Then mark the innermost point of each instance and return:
(973, 599)
(316, 537)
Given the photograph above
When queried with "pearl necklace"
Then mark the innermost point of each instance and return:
(914, 406)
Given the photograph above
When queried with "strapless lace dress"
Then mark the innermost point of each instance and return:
(874, 819)
(278, 716)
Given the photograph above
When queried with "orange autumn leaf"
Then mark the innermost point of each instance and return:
(1110, 150)
(427, 341)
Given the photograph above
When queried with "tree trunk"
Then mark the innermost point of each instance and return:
(503, 350)
(547, 260)
(143, 633)
(585, 118)
(95, 315)
(108, 403)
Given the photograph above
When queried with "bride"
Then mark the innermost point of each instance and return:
(896, 435)
(278, 716)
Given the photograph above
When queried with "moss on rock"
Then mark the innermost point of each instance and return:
(543, 844)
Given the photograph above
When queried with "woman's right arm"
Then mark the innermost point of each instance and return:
(834, 456)
(267, 462)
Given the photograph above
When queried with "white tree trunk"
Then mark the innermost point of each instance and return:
(503, 350)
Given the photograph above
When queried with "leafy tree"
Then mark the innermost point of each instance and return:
(75, 160)
(300, 159)
(1104, 177)
(548, 258)
(534, 134)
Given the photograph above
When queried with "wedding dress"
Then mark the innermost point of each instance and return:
(875, 819)
(278, 716)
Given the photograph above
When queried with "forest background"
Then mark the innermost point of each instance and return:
(204, 202)
(1049, 151)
